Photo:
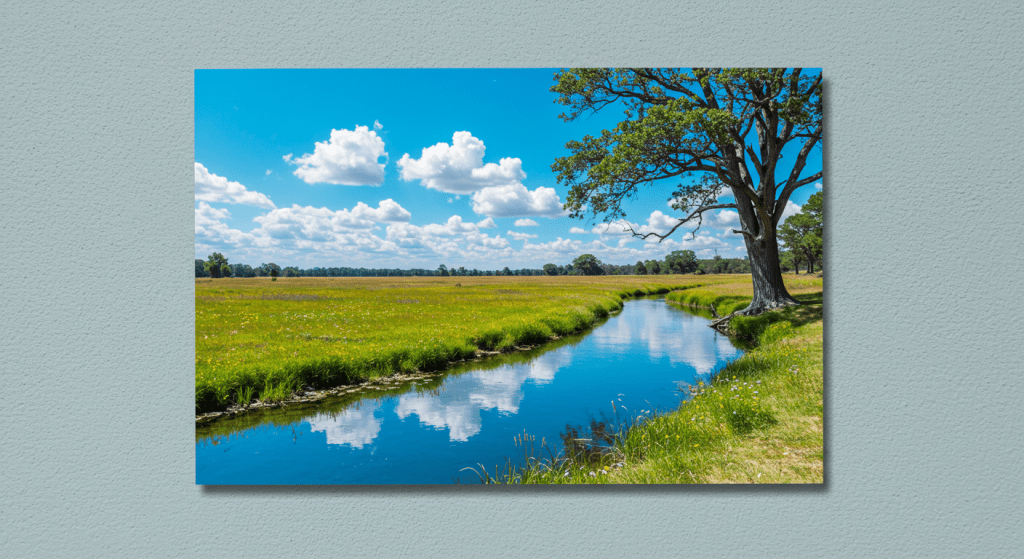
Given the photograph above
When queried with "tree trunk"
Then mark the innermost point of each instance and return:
(769, 291)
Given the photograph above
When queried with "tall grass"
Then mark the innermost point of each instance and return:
(256, 339)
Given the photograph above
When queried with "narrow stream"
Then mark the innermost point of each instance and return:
(428, 432)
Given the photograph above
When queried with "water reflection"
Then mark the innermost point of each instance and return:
(686, 342)
(462, 398)
(355, 426)
(429, 431)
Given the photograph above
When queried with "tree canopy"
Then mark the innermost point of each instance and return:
(587, 265)
(803, 233)
(682, 261)
(216, 264)
(712, 129)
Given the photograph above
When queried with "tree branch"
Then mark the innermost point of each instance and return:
(699, 212)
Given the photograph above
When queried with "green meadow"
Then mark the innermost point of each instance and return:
(261, 340)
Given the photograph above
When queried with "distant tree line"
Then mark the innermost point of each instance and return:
(676, 262)
(217, 266)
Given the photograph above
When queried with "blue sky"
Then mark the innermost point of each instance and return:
(409, 169)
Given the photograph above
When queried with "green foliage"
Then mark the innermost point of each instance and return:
(710, 128)
(641, 270)
(802, 233)
(682, 261)
(215, 265)
(587, 265)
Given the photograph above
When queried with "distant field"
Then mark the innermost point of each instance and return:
(261, 339)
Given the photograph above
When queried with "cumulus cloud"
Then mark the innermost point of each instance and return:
(817, 185)
(520, 236)
(617, 228)
(269, 171)
(459, 168)
(525, 223)
(660, 223)
(657, 222)
(791, 209)
(214, 188)
(306, 227)
(577, 230)
(513, 200)
(348, 157)
(726, 218)
(377, 125)
(210, 228)
(455, 236)
(387, 211)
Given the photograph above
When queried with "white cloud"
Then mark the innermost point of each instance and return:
(657, 222)
(214, 188)
(452, 237)
(616, 228)
(520, 236)
(211, 230)
(459, 168)
(726, 218)
(349, 157)
(377, 125)
(817, 185)
(791, 209)
(525, 223)
(268, 172)
(206, 213)
(660, 223)
(577, 231)
(513, 200)
(329, 232)
(387, 211)
(287, 158)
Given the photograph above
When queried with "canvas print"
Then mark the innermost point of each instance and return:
(509, 276)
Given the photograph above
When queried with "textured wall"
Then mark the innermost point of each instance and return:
(923, 351)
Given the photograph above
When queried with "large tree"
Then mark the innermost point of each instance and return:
(711, 128)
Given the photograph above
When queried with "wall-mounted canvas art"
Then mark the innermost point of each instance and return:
(556, 276)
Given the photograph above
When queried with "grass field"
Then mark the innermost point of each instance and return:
(759, 420)
(257, 339)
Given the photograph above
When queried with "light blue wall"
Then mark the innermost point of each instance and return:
(923, 196)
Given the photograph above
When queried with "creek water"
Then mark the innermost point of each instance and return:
(429, 431)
